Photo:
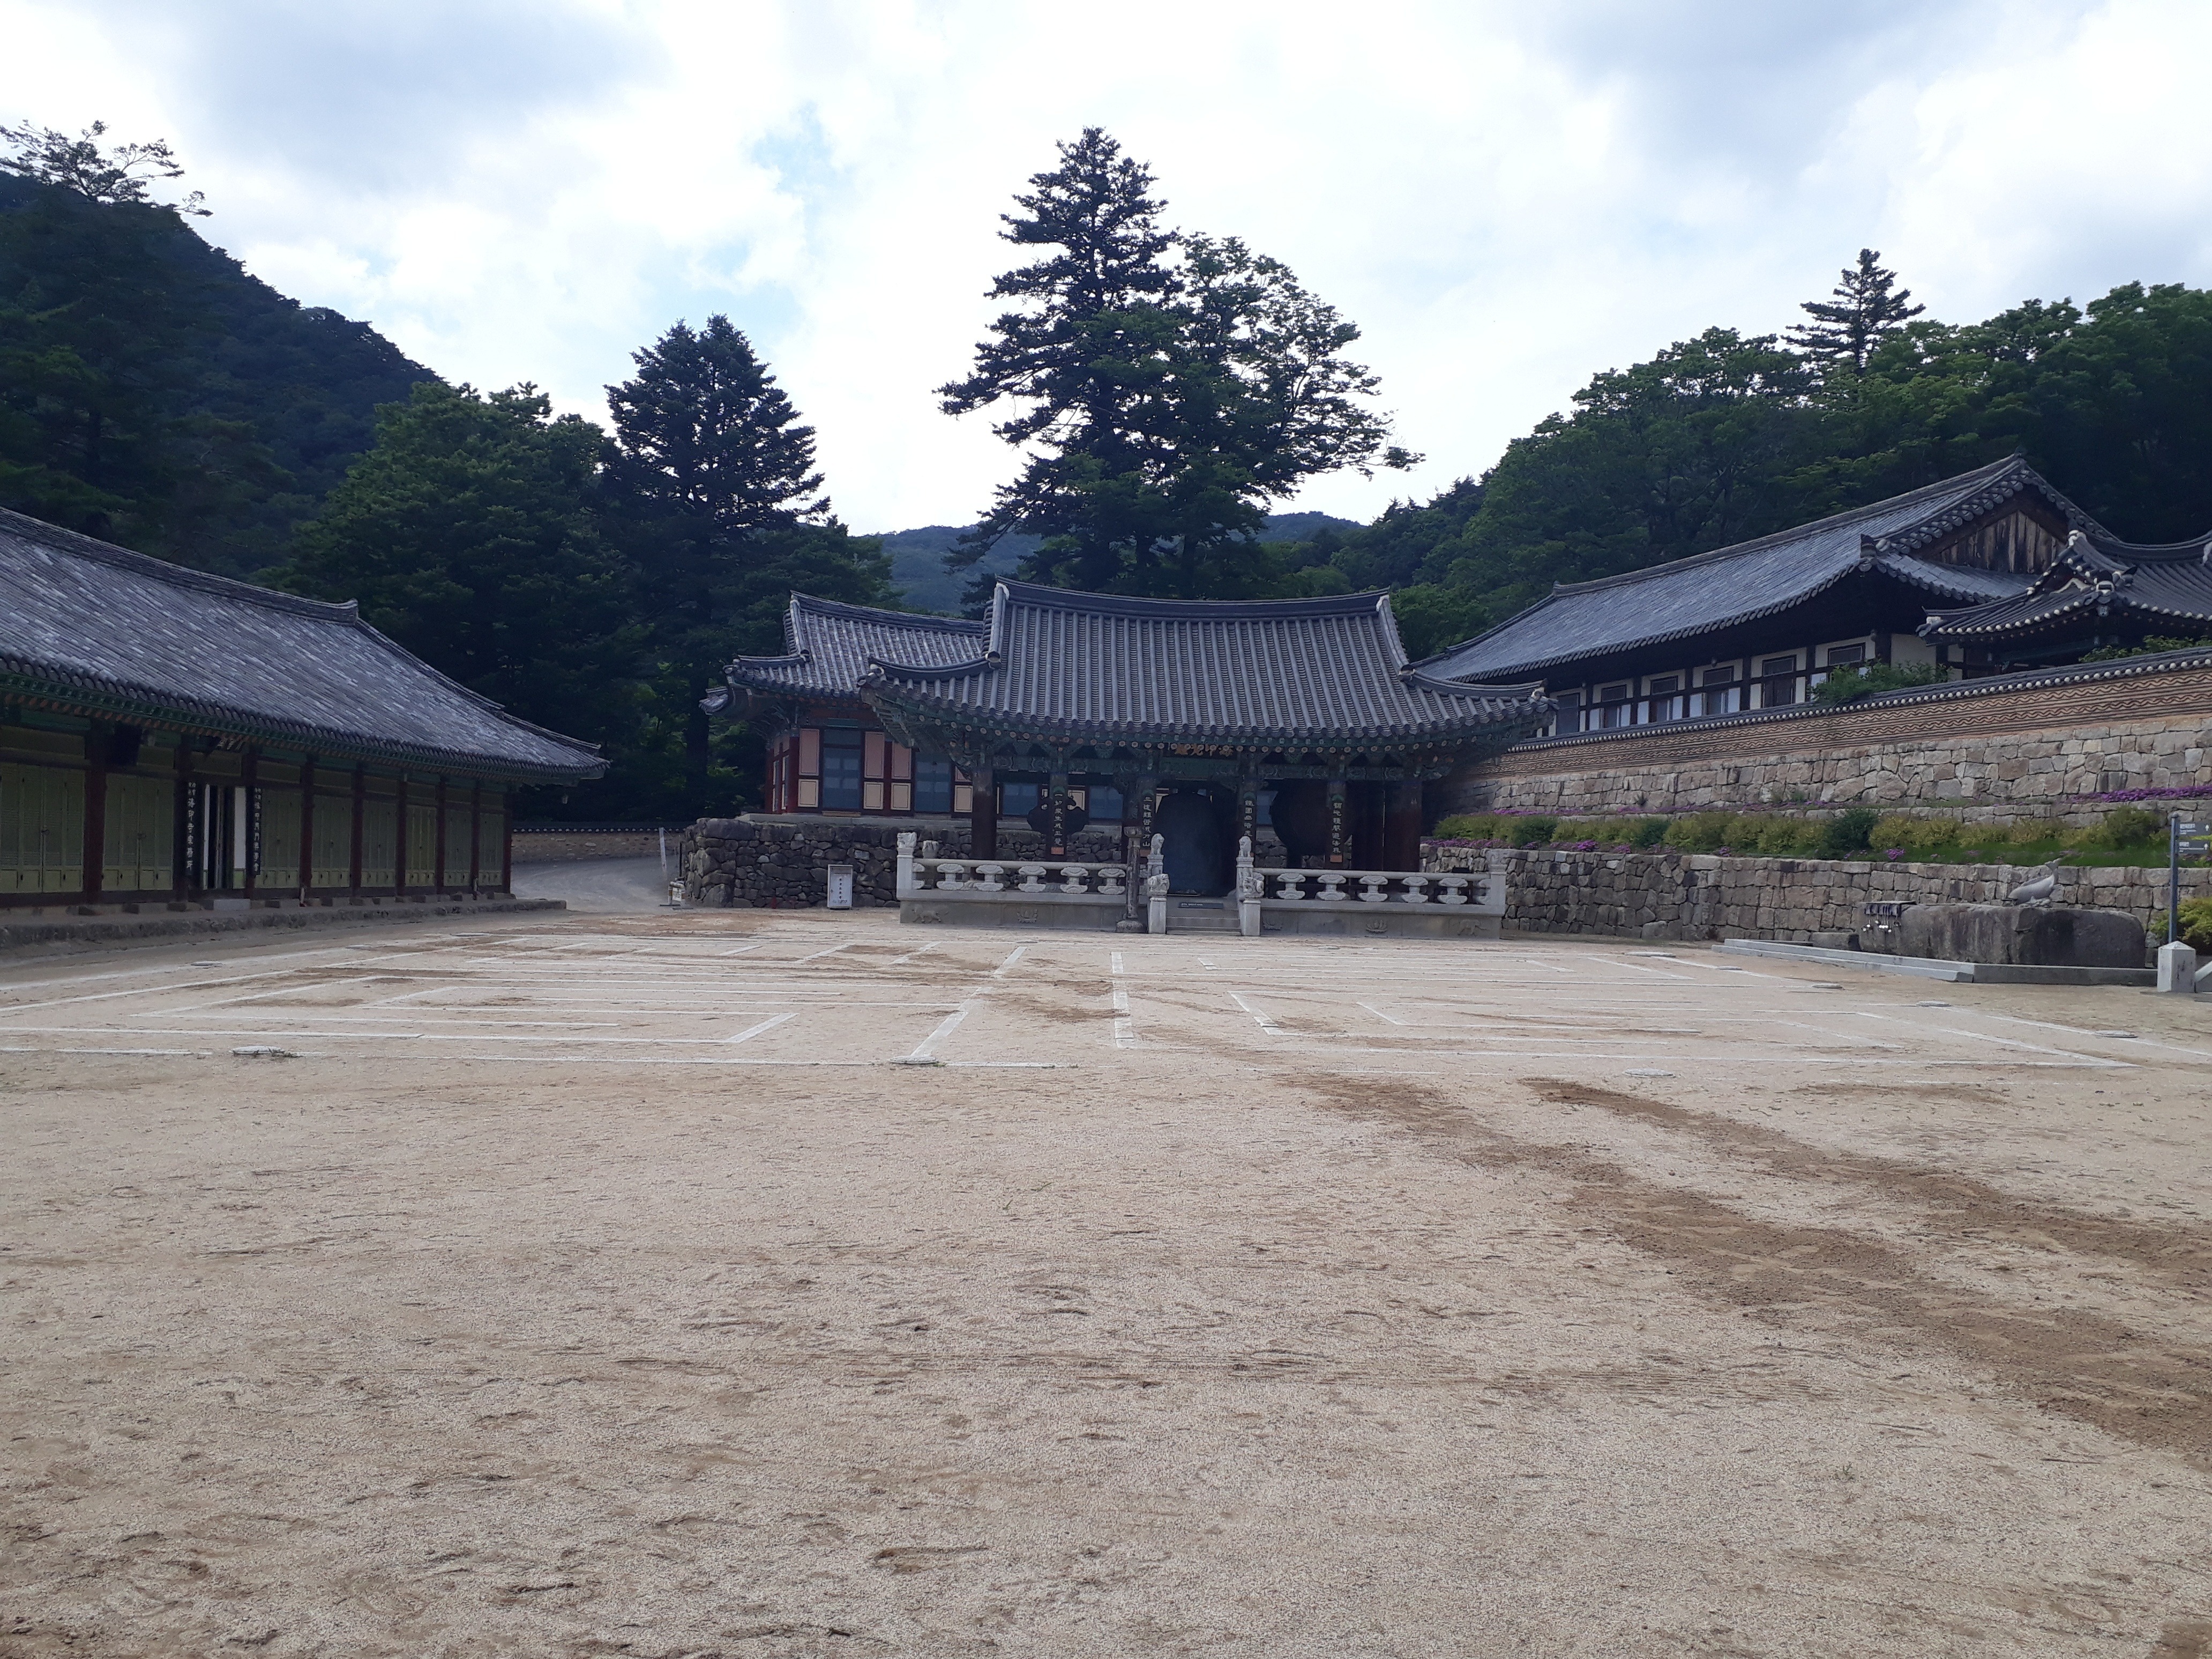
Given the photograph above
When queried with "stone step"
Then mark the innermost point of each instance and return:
(1202, 916)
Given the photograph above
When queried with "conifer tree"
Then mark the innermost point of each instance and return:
(713, 492)
(1167, 386)
(1847, 327)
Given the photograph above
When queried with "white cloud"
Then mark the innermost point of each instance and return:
(1505, 199)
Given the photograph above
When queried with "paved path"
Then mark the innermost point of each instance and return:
(747, 1284)
(597, 886)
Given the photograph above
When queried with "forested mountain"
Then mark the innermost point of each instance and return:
(1729, 436)
(919, 575)
(154, 393)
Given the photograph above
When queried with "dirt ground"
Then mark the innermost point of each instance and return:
(745, 1283)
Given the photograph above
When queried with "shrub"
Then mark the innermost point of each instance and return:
(2131, 826)
(1844, 684)
(1469, 826)
(1697, 832)
(1530, 831)
(2196, 925)
(1647, 832)
(1781, 837)
(1847, 832)
(1893, 829)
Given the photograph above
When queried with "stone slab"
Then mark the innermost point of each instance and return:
(29, 937)
(1955, 972)
(2025, 935)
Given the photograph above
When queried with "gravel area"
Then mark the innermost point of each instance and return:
(774, 1284)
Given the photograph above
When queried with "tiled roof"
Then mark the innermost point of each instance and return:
(829, 646)
(2168, 584)
(1738, 584)
(1328, 670)
(100, 627)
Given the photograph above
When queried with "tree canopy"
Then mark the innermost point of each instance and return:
(1165, 386)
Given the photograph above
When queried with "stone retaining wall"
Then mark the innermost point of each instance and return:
(1675, 895)
(739, 864)
(566, 846)
(1994, 756)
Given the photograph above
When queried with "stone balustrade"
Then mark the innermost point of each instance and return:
(1008, 892)
(1368, 887)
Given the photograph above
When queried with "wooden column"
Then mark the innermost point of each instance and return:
(476, 832)
(181, 868)
(360, 817)
(306, 829)
(242, 831)
(1402, 826)
(1338, 829)
(438, 845)
(983, 813)
(506, 844)
(1148, 801)
(399, 851)
(93, 854)
(1248, 808)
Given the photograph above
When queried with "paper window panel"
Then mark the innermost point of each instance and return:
(810, 793)
(810, 755)
(963, 795)
(902, 798)
(871, 795)
(902, 769)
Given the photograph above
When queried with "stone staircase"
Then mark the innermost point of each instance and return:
(1190, 915)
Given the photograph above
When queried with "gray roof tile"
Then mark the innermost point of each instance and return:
(1064, 664)
(132, 634)
(2167, 585)
(829, 646)
(1731, 584)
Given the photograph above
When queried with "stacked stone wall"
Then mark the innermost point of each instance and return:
(2000, 756)
(1671, 896)
(739, 864)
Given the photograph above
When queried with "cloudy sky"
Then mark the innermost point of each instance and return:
(1505, 197)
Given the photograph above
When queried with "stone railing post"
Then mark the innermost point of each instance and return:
(1371, 888)
(1331, 883)
(905, 888)
(1250, 887)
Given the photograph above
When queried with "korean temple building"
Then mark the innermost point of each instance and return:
(171, 738)
(1987, 573)
(1196, 720)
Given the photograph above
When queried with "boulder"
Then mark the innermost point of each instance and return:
(2029, 935)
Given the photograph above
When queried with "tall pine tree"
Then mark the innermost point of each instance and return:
(1857, 317)
(712, 485)
(1167, 387)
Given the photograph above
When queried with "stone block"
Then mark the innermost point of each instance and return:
(2054, 936)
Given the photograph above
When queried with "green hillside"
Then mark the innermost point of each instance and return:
(154, 393)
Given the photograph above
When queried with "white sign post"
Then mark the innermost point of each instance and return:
(840, 887)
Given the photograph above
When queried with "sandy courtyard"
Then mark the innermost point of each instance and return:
(744, 1284)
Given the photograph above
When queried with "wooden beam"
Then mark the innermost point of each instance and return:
(181, 840)
(476, 832)
(93, 854)
(306, 829)
(242, 831)
(399, 851)
(360, 816)
(983, 813)
(438, 843)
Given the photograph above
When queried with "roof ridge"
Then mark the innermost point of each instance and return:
(1076, 598)
(889, 618)
(79, 545)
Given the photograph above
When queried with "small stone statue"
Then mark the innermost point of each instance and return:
(2037, 890)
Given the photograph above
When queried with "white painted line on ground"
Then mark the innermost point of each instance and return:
(1265, 1023)
(752, 1031)
(1125, 1028)
(1636, 968)
(174, 1053)
(911, 955)
(814, 955)
(740, 950)
(1117, 963)
(2076, 1030)
(1000, 972)
(1983, 1036)
(926, 1050)
(1388, 1019)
